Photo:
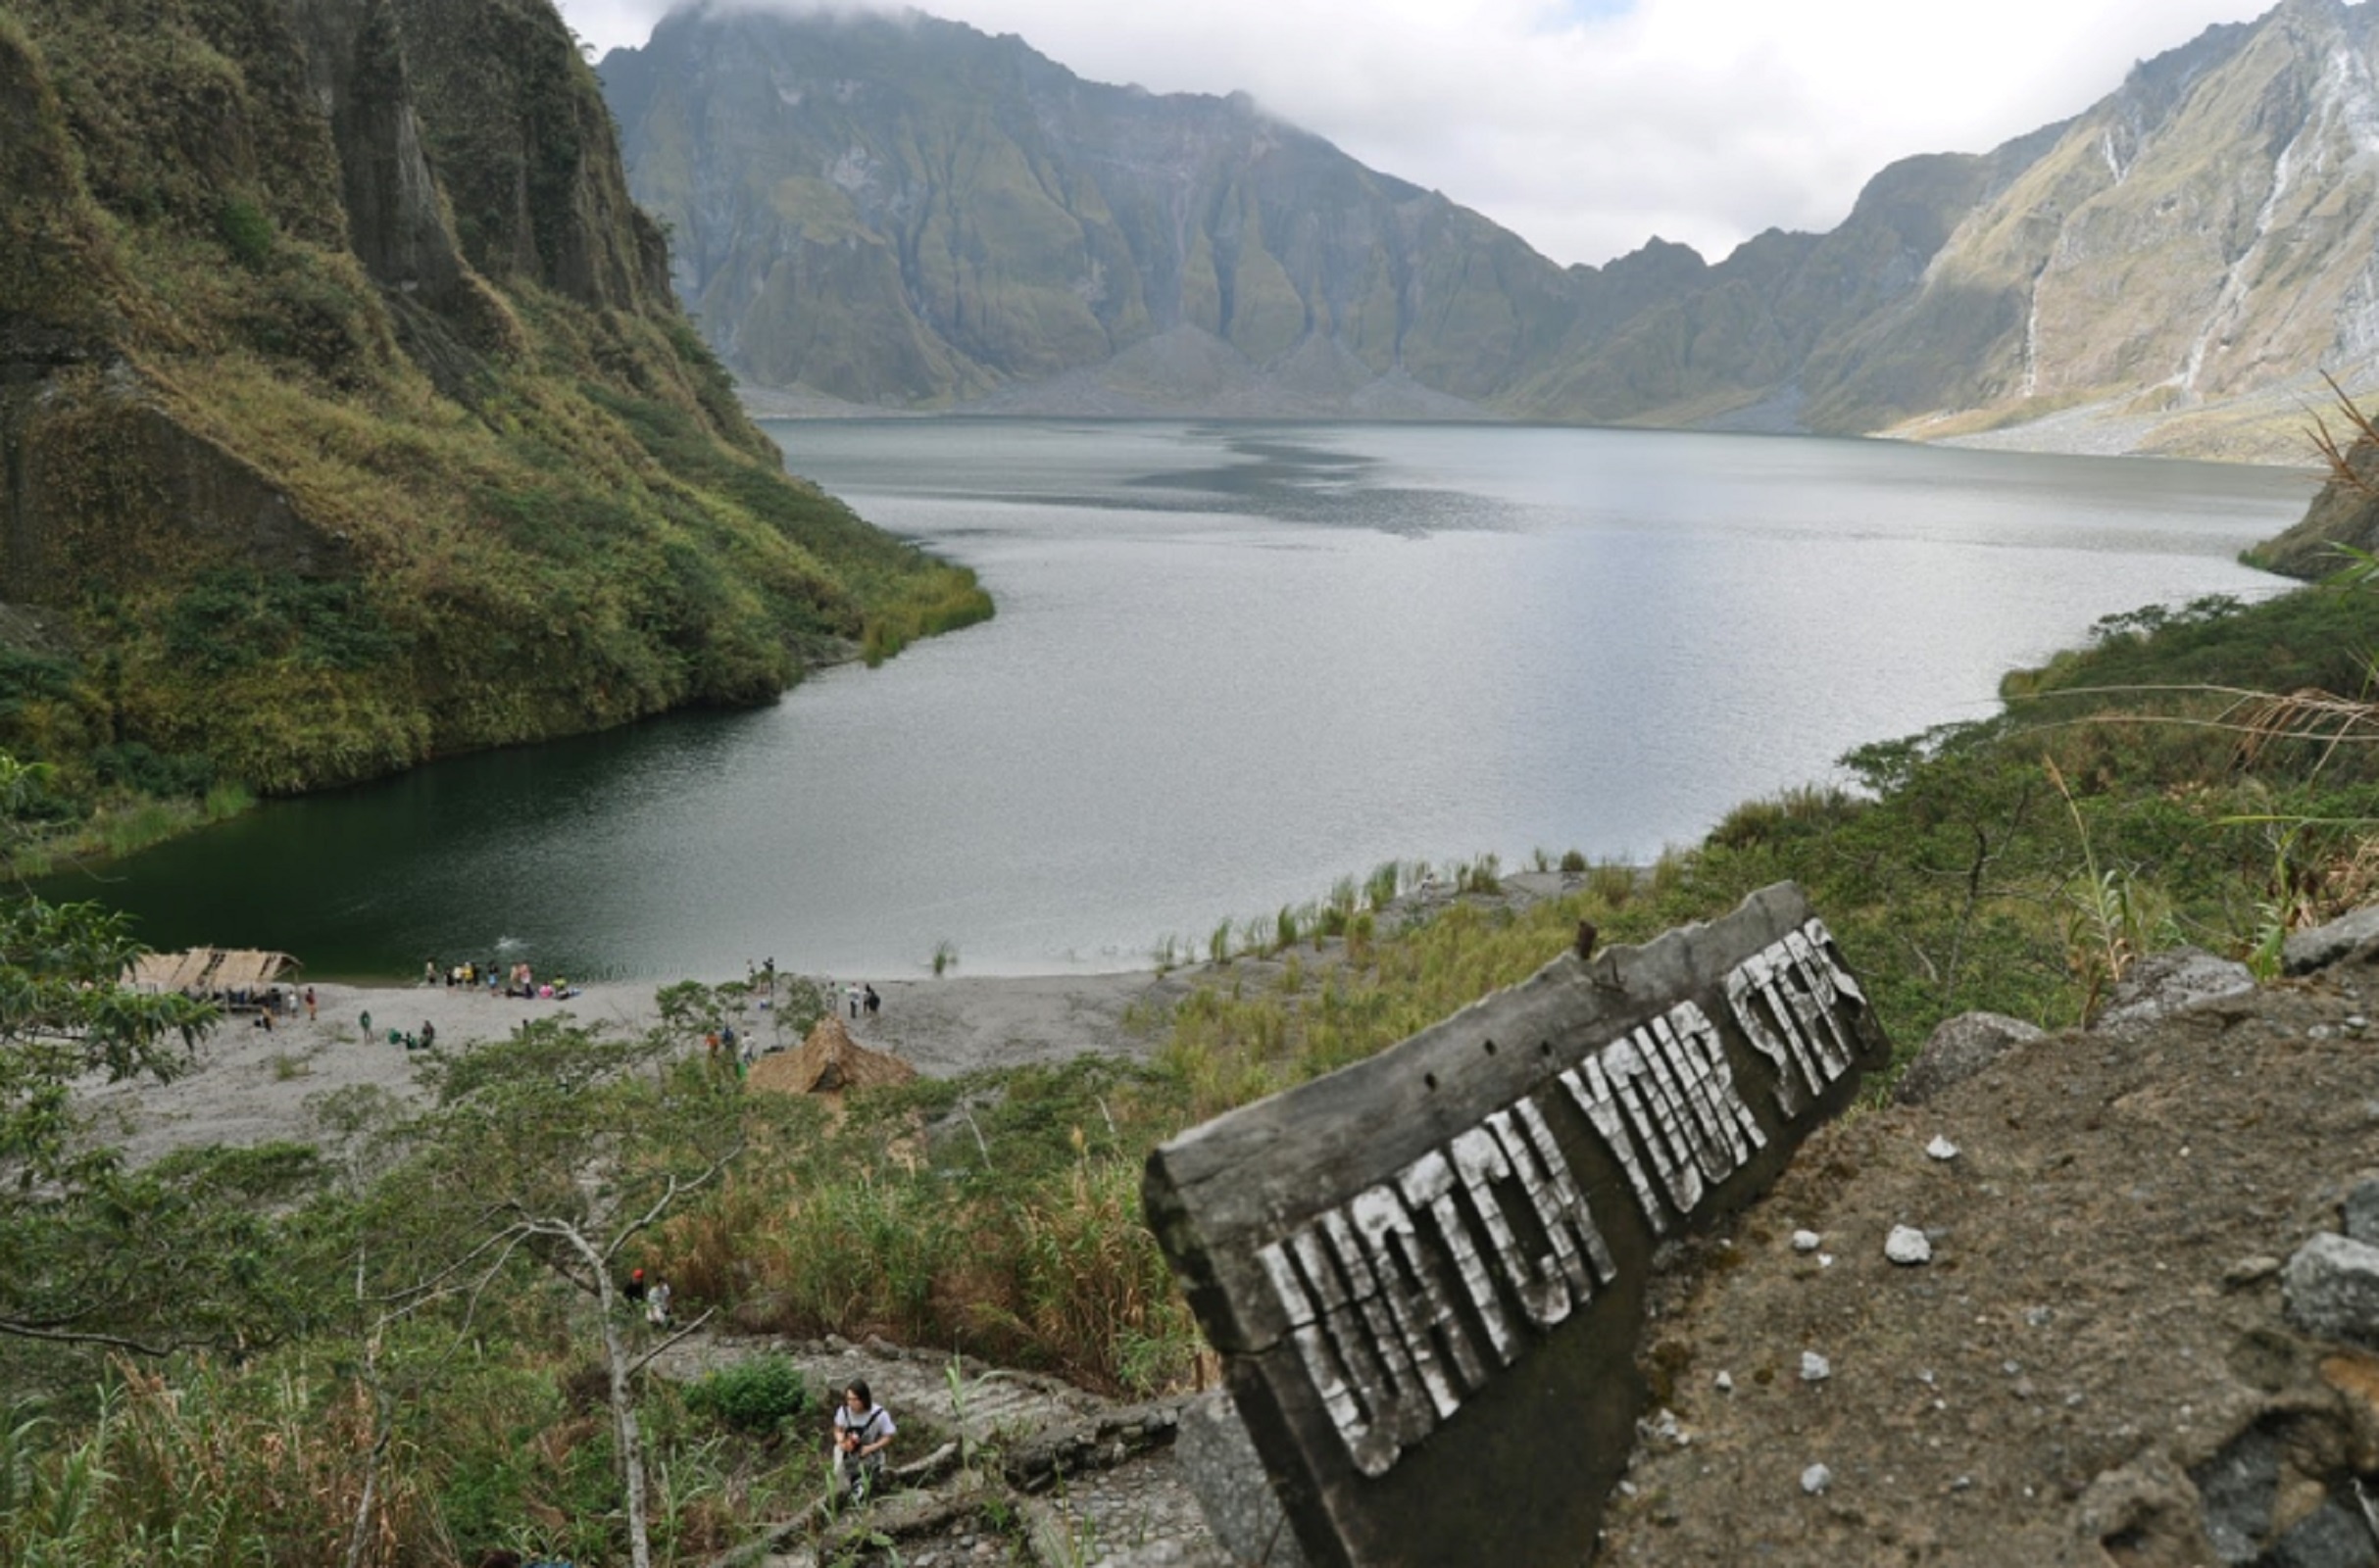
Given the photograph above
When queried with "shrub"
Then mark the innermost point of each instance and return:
(759, 1396)
(247, 233)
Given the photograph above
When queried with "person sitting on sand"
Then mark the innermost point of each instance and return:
(429, 1034)
(863, 1431)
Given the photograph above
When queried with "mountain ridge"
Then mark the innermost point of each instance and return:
(901, 213)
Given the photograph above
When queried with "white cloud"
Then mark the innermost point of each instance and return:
(1589, 126)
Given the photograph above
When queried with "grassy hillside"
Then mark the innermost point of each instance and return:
(349, 420)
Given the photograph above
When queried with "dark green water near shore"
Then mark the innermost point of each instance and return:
(1233, 662)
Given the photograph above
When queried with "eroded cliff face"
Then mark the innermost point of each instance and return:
(906, 211)
(2205, 233)
(345, 413)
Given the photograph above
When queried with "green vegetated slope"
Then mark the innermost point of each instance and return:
(2342, 521)
(907, 212)
(347, 414)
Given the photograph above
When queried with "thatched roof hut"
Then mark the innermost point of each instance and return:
(828, 1062)
(203, 971)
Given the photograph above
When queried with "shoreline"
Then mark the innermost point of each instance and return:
(250, 1085)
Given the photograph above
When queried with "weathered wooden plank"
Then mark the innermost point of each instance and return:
(1426, 1272)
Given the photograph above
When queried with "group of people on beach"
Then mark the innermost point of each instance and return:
(519, 981)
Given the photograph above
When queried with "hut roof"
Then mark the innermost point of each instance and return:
(828, 1062)
(204, 969)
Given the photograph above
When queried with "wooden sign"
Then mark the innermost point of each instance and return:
(1426, 1272)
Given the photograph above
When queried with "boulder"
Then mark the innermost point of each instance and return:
(2164, 983)
(2325, 945)
(2332, 1289)
(1957, 1049)
(2361, 1213)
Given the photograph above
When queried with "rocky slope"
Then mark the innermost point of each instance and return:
(2105, 1360)
(346, 415)
(2204, 234)
(907, 212)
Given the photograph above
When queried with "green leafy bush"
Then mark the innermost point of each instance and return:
(760, 1396)
(133, 766)
(246, 232)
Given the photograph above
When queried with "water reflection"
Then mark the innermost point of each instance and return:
(1231, 663)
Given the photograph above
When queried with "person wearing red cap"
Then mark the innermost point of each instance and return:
(634, 1289)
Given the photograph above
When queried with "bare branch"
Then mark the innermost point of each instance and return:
(661, 1204)
(31, 1330)
(647, 1357)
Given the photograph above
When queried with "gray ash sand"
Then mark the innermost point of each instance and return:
(250, 1085)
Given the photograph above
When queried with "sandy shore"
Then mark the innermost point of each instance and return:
(250, 1085)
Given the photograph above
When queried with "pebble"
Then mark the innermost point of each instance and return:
(2251, 1271)
(1908, 1247)
(1806, 1240)
(1814, 1368)
(1941, 1149)
(1816, 1479)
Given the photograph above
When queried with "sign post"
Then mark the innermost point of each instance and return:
(1425, 1273)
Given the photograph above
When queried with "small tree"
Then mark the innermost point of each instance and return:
(559, 1150)
(69, 1219)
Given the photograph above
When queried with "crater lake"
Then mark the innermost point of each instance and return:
(1232, 663)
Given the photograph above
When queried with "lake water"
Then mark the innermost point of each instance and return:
(1232, 663)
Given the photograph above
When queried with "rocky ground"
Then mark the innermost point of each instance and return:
(2096, 1366)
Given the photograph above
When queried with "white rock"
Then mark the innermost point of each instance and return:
(1907, 1245)
(1816, 1479)
(1726, 1382)
(2331, 1288)
(1814, 1368)
(1806, 1240)
(1941, 1149)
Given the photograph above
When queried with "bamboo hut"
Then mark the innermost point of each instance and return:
(828, 1062)
(211, 971)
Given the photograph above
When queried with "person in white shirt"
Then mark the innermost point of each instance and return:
(863, 1431)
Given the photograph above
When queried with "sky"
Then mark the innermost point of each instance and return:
(1588, 127)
